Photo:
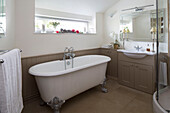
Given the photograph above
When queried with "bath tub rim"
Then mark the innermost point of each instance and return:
(57, 73)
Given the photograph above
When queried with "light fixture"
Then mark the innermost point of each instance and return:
(112, 14)
(141, 8)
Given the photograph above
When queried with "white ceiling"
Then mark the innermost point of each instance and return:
(84, 7)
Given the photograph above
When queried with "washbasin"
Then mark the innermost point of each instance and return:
(136, 54)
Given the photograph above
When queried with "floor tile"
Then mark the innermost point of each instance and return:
(137, 106)
(119, 99)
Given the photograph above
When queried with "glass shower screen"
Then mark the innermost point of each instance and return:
(163, 90)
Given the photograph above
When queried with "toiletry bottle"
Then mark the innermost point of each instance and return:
(147, 48)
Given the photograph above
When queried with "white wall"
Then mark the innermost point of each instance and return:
(39, 44)
(8, 42)
(112, 24)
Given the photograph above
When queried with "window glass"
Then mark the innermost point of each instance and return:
(60, 25)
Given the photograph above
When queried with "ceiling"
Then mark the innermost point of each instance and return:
(83, 7)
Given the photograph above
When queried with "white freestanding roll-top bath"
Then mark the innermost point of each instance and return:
(54, 81)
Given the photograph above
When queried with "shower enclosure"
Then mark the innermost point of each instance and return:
(161, 98)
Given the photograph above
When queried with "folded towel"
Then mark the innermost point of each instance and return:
(11, 83)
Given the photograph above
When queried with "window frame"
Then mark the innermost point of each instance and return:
(61, 18)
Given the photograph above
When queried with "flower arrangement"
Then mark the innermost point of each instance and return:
(126, 30)
(55, 24)
(69, 31)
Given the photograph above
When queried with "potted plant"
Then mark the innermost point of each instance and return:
(116, 44)
(55, 24)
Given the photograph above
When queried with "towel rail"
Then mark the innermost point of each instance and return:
(4, 51)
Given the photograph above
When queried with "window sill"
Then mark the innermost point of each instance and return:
(65, 33)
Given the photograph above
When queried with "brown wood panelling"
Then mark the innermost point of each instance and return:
(30, 90)
(112, 67)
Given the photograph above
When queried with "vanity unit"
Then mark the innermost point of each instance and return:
(137, 70)
(132, 68)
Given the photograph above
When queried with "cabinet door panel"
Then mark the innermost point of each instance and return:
(126, 73)
(143, 78)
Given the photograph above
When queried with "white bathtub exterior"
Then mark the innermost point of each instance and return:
(54, 81)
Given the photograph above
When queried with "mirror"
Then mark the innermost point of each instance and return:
(140, 26)
(2, 19)
(64, 16)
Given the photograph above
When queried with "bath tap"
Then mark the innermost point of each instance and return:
(69, 52)
(138, 47)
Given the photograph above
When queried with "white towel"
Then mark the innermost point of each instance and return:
(11, 82)
(163, 74)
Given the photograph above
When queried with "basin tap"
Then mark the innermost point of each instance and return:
(138, 47)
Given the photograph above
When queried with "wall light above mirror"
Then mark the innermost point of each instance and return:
(2, 19)
(68, 16)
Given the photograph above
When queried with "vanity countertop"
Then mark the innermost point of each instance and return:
(137, 52)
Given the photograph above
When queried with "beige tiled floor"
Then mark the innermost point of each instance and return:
(119, 99)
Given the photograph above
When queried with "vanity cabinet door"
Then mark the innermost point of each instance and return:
(143, 77)
(126, 73)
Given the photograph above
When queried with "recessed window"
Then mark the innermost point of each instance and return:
(44, 24)
(53, 21)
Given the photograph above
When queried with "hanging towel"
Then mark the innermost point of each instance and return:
(163, 74)
(11, 82)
